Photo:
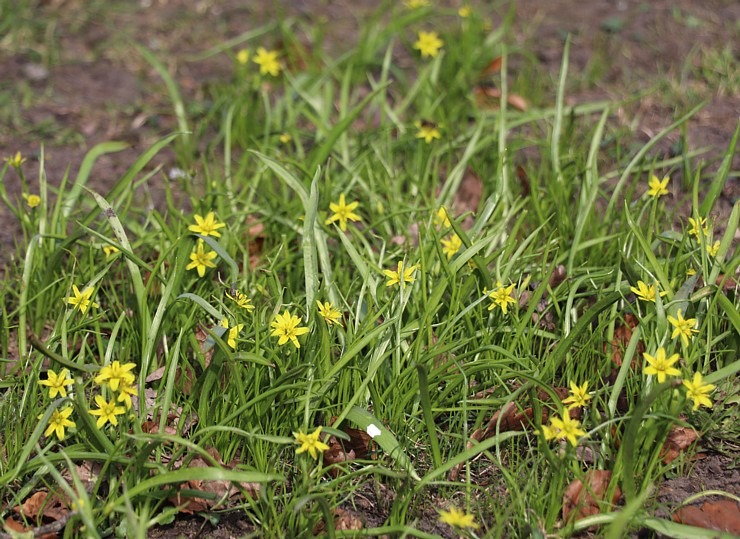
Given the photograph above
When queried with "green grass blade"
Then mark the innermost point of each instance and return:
(71, 198)
(363, 419)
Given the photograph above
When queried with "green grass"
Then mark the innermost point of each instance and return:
(427, 363)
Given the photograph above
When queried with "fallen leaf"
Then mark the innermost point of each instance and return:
(513, 417)
(494, 66)
(722, 515)
(42, 503)
(622, 336)
(678, 440)
(582, 498)
(489, 97)
(219, 491)
(467, 198)
(343, 521)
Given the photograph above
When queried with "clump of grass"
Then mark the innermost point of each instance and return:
(330, 277)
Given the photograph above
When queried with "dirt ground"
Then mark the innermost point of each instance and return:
(73, 82)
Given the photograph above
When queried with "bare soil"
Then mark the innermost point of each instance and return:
(80, 83)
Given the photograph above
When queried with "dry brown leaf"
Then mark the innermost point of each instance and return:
(512, 417)
(582, 498)
(219, 489)
(343, 521)
(722, 515)
(42, 503)
(678, 440)
(489, 97)
(468, 195)
(622, 336)
(493, 67)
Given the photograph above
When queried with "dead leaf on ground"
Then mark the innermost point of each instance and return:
(357, 447)
(678, 440)
(722, 515)
(494, 66)
(583, 497)
(513, 417)
(343, 521)
(219, 491)
(468, 196)
(42, 503)
(489, 97)
(622, 336)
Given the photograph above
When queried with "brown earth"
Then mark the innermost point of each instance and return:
(75, 82)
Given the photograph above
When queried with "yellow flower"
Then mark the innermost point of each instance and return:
(115, 373)
(442, 218)
(57, 384)
(459, 519)
(578, 397)
(58, 422)
(451, 246)
(401, 276)
(464, 12)
(285, 138)
(658, 188)
(698, 391)
(16, 160)
(286, 327)
(81, 300)
(713, 249)
(683, 327)
(310, 443)
(696, 225)
(233, 333)
(414, 4)
(550, 432)
(428, 131)
(109, 250)
(428, 44)
(208, 226)
(126, 390)
(331, 314)
(201, 259)
(567, 428)
(343, 212)
(107, 411)
(241, 299)
(645, 292)
(242, 56)
(502, 297)
(661, 366)
(268, 62)
(32, 200)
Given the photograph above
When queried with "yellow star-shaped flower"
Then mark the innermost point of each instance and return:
(207, 226)
(660, 365)
(57, 383)
(268, 62)
(658, 188)
(683, 327)
(458, 519)
(401, 276)
(502, 296)
(567, 428)
(428, 44)
(58, 422)
(310, 443)
(343, 212)
(82, 300)
(287, 327)
(698, 391)
(200, 259)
